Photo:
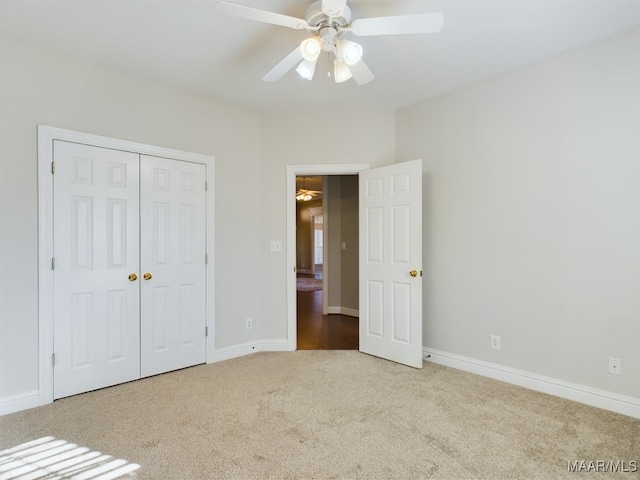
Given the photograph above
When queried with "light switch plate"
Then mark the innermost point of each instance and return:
(276, 246)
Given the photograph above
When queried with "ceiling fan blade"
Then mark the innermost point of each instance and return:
(264, 16)
(361, 73)
(286, 64)
(333, 8)
(398, 25)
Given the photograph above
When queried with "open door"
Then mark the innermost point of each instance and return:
(391, 262)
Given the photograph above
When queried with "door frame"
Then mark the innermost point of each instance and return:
(292, 172)
(46, 136)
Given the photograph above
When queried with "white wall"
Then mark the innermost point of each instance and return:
(38, 87)
(532, 215)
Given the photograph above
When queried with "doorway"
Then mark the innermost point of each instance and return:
(390, 258)
(327, 263)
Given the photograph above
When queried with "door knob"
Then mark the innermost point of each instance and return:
(133, 277)
(413, 273)
(147, 276)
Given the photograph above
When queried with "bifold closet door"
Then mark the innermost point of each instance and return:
(96, 305)
(172, 225)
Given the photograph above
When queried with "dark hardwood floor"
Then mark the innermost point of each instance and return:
(324, 332)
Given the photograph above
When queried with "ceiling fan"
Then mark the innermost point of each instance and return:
(330, 21)
(304, 195)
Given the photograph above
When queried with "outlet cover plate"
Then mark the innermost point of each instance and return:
(615, 366)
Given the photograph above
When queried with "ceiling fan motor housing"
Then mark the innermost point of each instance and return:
(316, 17)
(329, 36)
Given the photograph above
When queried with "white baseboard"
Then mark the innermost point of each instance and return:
(22, 401)
(349, 312)
(578, 393)
(27, 400)
(240, 350)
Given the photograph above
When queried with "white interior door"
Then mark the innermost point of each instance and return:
(173, 222)
(96, 248)
(391, 262)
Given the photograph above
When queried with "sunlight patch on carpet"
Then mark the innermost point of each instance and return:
(48, 457)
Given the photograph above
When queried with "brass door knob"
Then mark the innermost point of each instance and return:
(413, 273)
(133, 277)
(147, 276)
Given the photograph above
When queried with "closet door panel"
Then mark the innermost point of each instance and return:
(173, 221)
(96, 307)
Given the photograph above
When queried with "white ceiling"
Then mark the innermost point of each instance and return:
(188, 44)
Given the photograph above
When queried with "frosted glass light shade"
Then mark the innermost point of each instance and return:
(341, 72)
(311, 48)
(350, 52)
(306, 69)
(304, 196)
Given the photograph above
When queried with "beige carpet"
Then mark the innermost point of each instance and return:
(333, 414)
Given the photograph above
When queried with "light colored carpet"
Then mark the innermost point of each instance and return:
(306, 284)
(332, 414)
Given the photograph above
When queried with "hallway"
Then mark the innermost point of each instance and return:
(324, 332)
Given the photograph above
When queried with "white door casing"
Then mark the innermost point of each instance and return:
(173, 283)
(292, 172)
(390, 251)
(96, 243)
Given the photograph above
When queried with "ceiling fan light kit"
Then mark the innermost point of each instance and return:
(311, 48)
(304, 195)
(350, 52)
(341, 72)
(330, 21)
(306, 69)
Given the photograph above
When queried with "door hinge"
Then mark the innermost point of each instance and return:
(53, 359)
(206, 331)
(206, 186)
(53, 263)
(206, 258)
(53, 168)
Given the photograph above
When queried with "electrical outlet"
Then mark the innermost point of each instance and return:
(249, 323)
(495, 342)
(615, 366)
